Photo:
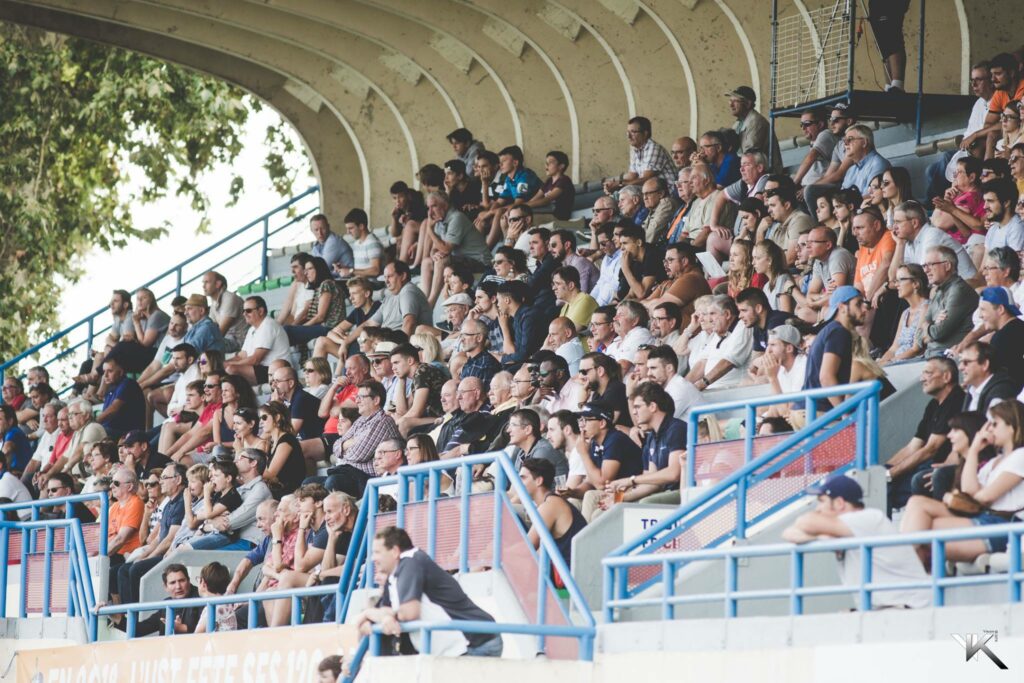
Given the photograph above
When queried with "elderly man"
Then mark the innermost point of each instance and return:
(725, 166)
(930, 443)
(203, 333)
(647, 159)
(755, 133)
(682, 151)
(86, 433)
(354, 450)
(452, 238)
(948, 319)
(915, 236)
(265, 343)
(129, 575)
(631, 320)
(660, 207)
(479, 362)
(472, 432)
(44, 448)
(867, 163)
(335, 251)
(603, 213)
(705, 194)
(456, 311)
(631, 205)
(726, 364)
(684, 192)
(562, 247)
(225, 310)
(563, 340)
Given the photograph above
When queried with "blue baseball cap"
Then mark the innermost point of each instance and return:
(839, 486)
(997, 296)
(840, 296)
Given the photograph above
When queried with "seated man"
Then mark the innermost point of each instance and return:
(449, 237)
(642, 265)
(124, 404)
(930, 444)
(662, 369)
(606, 453)
(523, 331)
(418, 392)
(213, 582)
(840, 514)
(832, 266)
(577, 306)
(726, 364)
(353, 452)
(335, 251)
(564, 341)
(265, 342)
(562, 247)
(647, 158)
(661, 206)
(528, 442)
(169, 400)
(225, 310)
(948, 319)
(265, 513)
(178, 587)
(179, 440)
(1001, 317)
(367, 251)
(176, 330)
(238, 529)
(685, 282)
(563, 520)
(631, 321)
(664, 450)
(783, 365)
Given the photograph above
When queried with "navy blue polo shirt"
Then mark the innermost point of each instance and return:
(659, 445)
(619, 447)
(173, 514)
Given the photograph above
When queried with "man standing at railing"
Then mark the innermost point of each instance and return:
(841, 514)
(412, 574)
(831, 356)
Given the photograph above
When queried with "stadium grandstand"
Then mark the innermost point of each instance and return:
(617, 340)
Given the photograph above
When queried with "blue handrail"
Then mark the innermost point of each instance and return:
(263, 222)
(937, 582)
(859, 410)
(68, 502)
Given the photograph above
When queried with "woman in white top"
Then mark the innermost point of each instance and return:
(695, 341)
(998, 485)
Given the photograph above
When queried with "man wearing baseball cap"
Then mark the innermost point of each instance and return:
(831, 355)
(753, 126)
(606, 453)
(1000, 315)
(840, 513)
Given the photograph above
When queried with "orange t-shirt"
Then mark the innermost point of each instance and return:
(126, 513)
(1001, 98)
(869, 260)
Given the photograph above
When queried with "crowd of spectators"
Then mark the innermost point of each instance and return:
(484, 316)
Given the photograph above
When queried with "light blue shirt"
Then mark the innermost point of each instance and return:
(334, 250)
(861, 173)
(608, 283)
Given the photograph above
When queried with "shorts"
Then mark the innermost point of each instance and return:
(995, 544)
(886, 19)
(262, 373)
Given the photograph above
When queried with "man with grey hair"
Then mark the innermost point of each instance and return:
(859, 143)
(753, 176)
(87, 432)
(479, 362)
(660, 207)
(630, 324)
(948, 319)
(726, 364)
(684, 191)
(604, 213)
(915, 236)
(452, 237)
(631, 204)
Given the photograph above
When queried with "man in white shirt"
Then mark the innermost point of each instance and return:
(44, 446)
(563, 340)
(726, 363)
(662, 369)
(814, 125)
(1005, 228)
(367, 251)
(841, 514)
(631, 326)
(941, 172)
(915, 236)
(265, 343)
(607, 285)
(184, 357)
(12, 488)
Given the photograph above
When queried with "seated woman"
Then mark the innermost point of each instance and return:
(864, 368)
(326, 308)
(998, 486)
(911, 286)
(420, 448)
(316, 374)
(287, 467)
(235, 394)
(245, 428)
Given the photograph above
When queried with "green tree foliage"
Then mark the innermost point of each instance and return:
(73, 116)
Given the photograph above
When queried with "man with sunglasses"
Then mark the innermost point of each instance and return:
(61, 485)
(606, 453)
(841, 118)
(129, 575)
(607, 285)
(265, 342)
(814, 126)
(124, 518)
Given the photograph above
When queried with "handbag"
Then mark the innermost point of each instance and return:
(965, 505)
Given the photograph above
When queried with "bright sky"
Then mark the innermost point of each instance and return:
(138, 262)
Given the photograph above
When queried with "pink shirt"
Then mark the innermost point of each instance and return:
(971, 202)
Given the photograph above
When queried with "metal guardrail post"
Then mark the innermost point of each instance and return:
(1014, 550)
(88, 345)
(796, 569)
(499, 485)
(920, 75)
(466, 473)
(264, 260)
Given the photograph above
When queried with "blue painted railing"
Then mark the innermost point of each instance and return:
(937, 582)
(68, 502)
(260, 228)
(859, 410)
(80, 591)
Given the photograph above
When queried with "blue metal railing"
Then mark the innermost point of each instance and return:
(89, 322)
(68, 502)
(937, 582)
(860, 411)
(357, 570)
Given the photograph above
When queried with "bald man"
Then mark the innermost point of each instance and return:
(682, 149)
(563, 339)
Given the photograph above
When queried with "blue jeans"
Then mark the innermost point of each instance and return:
(219, 542)
(996, 544)
(490, 648)
(303, 334)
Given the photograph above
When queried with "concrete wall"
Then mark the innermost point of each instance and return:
(374, 86)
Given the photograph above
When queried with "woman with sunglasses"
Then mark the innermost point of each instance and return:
(287, 467)
(911, 286)
(317, 375)
(211, 362)
(509, 264)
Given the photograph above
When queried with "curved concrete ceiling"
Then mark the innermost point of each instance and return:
(373, 86)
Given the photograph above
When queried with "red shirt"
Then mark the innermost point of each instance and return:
(60, 444)
(347, 393)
